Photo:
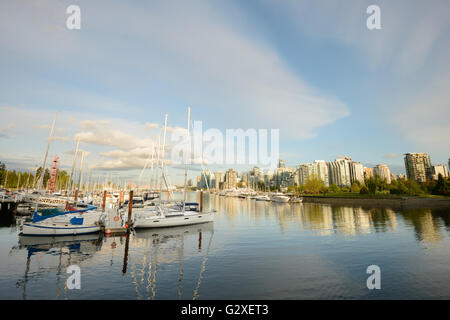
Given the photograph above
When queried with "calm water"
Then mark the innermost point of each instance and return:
(253, 250)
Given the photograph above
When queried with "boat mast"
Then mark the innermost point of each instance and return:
(41, 179)
(186, 157)
(80, 180)
(162, 160)
(70, 182)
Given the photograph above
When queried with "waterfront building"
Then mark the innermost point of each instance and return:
(418, 166)
(218, 177)
(205, 180)
(439, 169)
(356, 172)
(368, 173)
(230, 179)
(303, 172)
(318, 168)
(383, 172)
(339, 172)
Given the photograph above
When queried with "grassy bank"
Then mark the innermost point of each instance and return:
(381, 200)
(350, 195)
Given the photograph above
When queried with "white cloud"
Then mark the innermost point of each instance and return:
(192, 50)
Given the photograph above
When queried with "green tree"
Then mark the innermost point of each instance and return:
(364, 190)
(356, 187)
(442, 186)
(371, 185)
(313, 184)
(333, 188)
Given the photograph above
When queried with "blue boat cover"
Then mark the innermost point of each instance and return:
(37, 217)
(76, 221)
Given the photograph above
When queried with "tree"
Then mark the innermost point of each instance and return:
(334, 189)
(356, 187)
(2, 173)
(442, 187)
(371, 185)
(313, 184)
(364, 190)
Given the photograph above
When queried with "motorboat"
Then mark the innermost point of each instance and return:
(296, 200)
(279, 197)
(262, 198)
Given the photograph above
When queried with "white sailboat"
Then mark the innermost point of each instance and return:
(64, 224)
(61, 223)
(175, 215)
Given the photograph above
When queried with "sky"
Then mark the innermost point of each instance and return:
(311, 69)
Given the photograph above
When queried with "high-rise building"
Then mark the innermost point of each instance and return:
(368, 173)
(418, 166)
(356, 172)
(230, 179)
(281, 163)
(303, 172)
(439, 169)
(383, 172)
(339, 172)
(320, 169)
(218, 179)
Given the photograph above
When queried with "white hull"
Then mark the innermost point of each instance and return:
(61, 225)
(154, 221)
(34, 229)
(280, 199)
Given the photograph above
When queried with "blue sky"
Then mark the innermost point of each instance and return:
(309, 68)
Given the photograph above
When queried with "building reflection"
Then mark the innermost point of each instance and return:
(326, 220)
(427, 226)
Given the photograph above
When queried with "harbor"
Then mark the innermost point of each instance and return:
(268, 250)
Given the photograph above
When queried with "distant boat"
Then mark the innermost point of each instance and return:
(296, 200)
(262, 198)
(279, 197)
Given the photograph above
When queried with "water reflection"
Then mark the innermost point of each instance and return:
(330, 219)
(310, 245)
(68, 251)
(168, 246)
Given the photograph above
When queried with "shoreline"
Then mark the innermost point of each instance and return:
(400, 202)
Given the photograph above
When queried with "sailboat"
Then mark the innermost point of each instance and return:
(54, 222)
(184, 213)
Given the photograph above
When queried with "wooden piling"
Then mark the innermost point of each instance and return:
(130, 209)
(201, 200)
(104, 201)
(76, 195)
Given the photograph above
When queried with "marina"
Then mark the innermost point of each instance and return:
(267, 250)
